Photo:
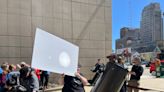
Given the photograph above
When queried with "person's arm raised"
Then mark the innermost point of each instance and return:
(83, 79)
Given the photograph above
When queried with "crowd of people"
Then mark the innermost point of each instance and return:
(135, 73)
(22, 78)
(77, 83)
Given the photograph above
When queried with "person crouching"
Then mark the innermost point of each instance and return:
(29, 80)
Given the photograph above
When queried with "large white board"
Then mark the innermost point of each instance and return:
(54, 54)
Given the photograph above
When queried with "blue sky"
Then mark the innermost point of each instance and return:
(121, 14)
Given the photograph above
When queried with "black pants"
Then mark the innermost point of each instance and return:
(95, 78)
(124, 88)
(44, 80)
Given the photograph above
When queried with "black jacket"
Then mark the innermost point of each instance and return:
(72, 84)
(138, 70)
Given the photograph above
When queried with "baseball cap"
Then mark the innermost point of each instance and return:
(113, 56)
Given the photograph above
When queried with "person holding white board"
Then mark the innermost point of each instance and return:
(74, 84)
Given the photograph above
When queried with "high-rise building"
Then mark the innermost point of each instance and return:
(86, 23)
(163, 26)
(123, 32)
(151, 24)
(129, 37)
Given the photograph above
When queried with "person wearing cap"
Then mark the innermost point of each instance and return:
(112, 58)
(74, 84)
(136, 72)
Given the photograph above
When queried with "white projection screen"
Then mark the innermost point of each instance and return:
(54, 54)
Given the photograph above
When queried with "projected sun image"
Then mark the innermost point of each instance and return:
(64, 59)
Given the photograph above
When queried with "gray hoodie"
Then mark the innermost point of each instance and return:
(31, 83)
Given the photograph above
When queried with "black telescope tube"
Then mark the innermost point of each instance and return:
(111, 80)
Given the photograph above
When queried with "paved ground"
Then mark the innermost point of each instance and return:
(147, 81)
(151, 82)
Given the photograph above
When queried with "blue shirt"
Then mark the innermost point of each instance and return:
(1, 71)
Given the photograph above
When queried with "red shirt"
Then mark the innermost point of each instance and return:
(37, 72)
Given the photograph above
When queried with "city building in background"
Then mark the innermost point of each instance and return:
(129, 37)
(151, 24)
(161, 42)
(86, 23)
(149, 36)
(163, 25)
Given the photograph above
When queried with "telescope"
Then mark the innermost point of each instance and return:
(111, 80)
